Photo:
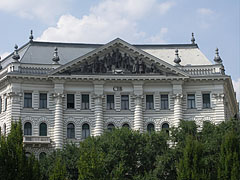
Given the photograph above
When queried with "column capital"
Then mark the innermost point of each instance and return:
(177, 96)
(58, 95)
(218, 96)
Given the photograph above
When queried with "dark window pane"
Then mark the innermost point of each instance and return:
(27, 100)
(85, 131)
(70, 101)
(149, 102)
(43, 129)
(150, 127)
(0, 105)
(165, 127)
(70, 131)
(126, 126)
(206, 100)
(164, 101)
(110, 127)
(43, 100)
(110, 101)
(28, 129)
(85, 101)
(125, 102)
(5, 104)
(191, 101)
(42, 155)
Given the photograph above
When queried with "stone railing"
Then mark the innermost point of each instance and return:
(217, 69)
(36, 139)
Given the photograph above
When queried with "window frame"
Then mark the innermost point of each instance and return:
(112, 104)
(151, 105)
(110, 127)
(192, 102)
(40, 129)
(26, 130)
(70, 103)
(28, 100)
(83, 104)
(125, 102)
(206, 107)
(44, 106)
(165, 101)
(150, 130)
(71, 131)
(87, 133)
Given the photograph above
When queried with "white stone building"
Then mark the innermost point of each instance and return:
(65, 91)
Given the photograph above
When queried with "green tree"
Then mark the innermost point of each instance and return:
(59, 171)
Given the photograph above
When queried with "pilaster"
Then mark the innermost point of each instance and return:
(219, 107)
(177, 96)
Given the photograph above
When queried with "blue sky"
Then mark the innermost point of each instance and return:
(216, 23)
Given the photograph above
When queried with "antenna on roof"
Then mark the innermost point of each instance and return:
(193, 39)
(55, 56)
(16, 56)
(217, 58)
(177, 59)
(31, 36)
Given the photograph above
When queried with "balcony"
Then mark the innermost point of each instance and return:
(36, 140)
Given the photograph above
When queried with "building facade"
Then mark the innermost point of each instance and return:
(65, 92)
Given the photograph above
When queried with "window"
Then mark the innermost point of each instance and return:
(110, 101)
(42, 155)
(28, 154)
(85, 101)
(43, 100)
(28, 129)
(110, 127)
(149, 102)
(70, 101)
(43, 129)
(125, 102)
(164, 101)
(191, 101)
(70, 131)
(85, 131)
(126, 125)
(165, 127)
(206, 100)
(150, 127)
(27, 100)
(5, 103)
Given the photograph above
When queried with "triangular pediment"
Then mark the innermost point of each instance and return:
(118, 57)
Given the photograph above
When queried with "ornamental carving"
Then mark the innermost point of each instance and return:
(116, 62)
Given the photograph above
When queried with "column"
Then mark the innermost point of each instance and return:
(98, 112)
(138, 116)
(219, 108)
(177, 109)
(58, 120)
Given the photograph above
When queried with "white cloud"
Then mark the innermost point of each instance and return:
(3, 55)
(236, 85)
(158, 38)
(106, 21)
(165, 7)
(206, 17)
(45, 10)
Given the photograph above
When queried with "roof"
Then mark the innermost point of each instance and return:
(38, 52)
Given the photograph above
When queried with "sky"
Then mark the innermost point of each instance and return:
(215, 23)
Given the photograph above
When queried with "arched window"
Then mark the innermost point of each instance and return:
(28, 154)
(150, 127)
(70, 131)
(42, 155)
(126, 125)
(85, 131)
(165, 127)
(110, 127)
(43, 129)
(28, 129)
(4, 129)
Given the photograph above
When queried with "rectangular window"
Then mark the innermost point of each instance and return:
(0, 105)
(5, 103)
(28, 100)
(164, 101)
(110, 101)
(43, 100)
(206, 100)
(124, 102)
(191, 101)
(70, 101)
(85, 101)
(149, 102)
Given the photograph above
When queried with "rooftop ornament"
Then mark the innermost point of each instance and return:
(16, 56)
(193, 39)
(55, 56)
(177, 59)
(31, 36)
(217, 58)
